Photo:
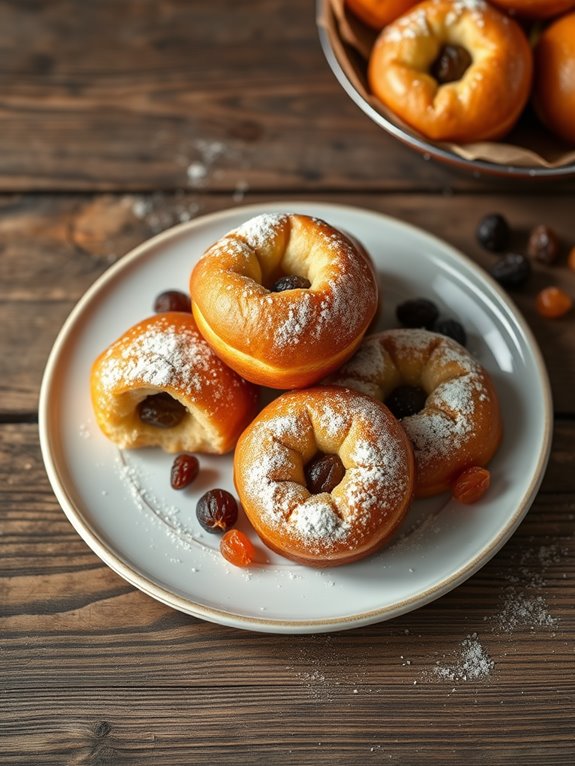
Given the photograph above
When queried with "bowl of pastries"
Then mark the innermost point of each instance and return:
(486, 86)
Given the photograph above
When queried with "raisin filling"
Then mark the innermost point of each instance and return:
(323, 473)
(291, 282)
(451, 64)
(161, 411)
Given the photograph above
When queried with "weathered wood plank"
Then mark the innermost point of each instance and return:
(262, 725)
(132, 95)
(54, 248)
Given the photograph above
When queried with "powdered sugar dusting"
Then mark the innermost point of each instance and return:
(161, 356)
(375, 478)
(259, 232)
(447, 422)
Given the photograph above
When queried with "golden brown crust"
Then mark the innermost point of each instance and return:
(554, 92)
(361, 513)
(485, 103)
(460, 424)
(378, 13)
(535, 9)
(166, 354)
(283, 339)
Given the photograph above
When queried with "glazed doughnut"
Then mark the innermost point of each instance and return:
(460, 423)
(535, 9)
(378, 13)
(286, 339)
(554, 92)
(203, 406)
(455, 70)
(360, 514)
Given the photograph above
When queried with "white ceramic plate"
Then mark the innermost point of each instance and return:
(122, 505)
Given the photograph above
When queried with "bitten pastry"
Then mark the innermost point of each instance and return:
(378, 13)
(283, 299)
(554, 92)
(535, 9)
(455, 70)
(160, 384)
(369, 497)
(458, 424)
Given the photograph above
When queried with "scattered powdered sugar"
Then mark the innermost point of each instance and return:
(523, 604)
(472, 662)
(408, 27)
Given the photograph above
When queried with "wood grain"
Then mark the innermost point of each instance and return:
(131, 95)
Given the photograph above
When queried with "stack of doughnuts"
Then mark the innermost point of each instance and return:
(326, 472)
(464, 70)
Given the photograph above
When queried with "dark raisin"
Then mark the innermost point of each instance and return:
(161, 411)
(493, 232)
(543, 245)
(172, 300)
(453, 329)
(418, 312)
(451, 64)
(217, 511)
(324, 473)
(292, 282)
(512, 270)
(185, 468)
(406, 400)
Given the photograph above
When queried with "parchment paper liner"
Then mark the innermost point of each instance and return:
(528, 145)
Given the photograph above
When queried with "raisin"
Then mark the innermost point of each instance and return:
(471, 484)
(292, 282)
(405, 401)
(451, 64)
(452, 329)
(571, 259)
(543, 245)
(493, 232)
(553, 303)
(418, 312)
(217, 511)
(237, 548)
(324, 473)
(512, 270)
(172, 300)
(161, 411)
(185, 469)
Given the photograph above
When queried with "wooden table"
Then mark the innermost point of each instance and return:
(118, 119)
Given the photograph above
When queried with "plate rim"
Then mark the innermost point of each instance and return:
(290, 626)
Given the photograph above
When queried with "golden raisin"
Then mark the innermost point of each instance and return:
(236, 548)
(571, 259)
(553, 302)
(471, 484)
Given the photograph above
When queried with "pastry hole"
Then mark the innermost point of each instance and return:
(405, 401)
(323, 473)
(451, 64)
(161, 411)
